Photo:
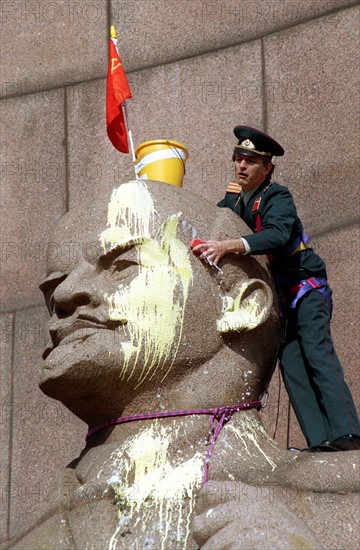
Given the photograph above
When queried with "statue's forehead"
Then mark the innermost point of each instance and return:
(68, 248)
(64, 254)
(132, 210)
(79, 233)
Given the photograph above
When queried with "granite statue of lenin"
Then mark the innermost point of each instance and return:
(139, 325)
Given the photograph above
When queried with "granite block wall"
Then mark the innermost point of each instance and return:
(196, 68)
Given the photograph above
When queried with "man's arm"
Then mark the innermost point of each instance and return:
(213, 251)
(278, 216)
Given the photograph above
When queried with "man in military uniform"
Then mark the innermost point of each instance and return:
(310, 367)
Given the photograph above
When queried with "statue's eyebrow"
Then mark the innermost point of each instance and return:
(118, 249)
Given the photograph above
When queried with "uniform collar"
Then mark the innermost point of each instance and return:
(247, 196)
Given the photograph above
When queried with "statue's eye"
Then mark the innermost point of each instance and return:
(121, 264)
(48, 288)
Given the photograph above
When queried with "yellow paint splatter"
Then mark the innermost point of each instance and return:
(250, 434)
(152, 489)
(153, 303)
(298, 542)
(240, 313)
(130, 214)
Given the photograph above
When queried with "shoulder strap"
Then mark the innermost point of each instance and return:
(233, 187)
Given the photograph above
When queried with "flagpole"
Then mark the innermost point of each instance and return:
(123, 105)
(124, 108)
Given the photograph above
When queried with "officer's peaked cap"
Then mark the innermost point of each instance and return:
(256, 143)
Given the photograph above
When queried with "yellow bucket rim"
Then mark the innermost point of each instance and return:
(168, 142)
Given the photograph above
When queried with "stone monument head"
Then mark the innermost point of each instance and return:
(139, 324)
(134, 311)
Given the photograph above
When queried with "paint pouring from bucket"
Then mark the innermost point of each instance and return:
(161, 160)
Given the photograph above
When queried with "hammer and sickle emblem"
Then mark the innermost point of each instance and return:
(115, 63)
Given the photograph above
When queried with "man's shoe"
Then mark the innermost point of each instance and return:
(349, 442)
(306, 450)
(326, 447)
(314, 449)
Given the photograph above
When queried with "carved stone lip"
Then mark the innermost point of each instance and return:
(78, 329)
(65, 329)
(80, 334)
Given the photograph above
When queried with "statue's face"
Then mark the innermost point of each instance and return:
(126, 295)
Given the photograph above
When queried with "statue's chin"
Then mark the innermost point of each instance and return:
(84, 390)
(86, 377)
(82, 359)
(78, 372)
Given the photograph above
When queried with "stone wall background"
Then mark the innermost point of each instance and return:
(196, 69)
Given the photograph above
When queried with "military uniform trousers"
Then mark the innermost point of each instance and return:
(312, 373)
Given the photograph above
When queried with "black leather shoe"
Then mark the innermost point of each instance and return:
(326, 447)
(314, 449)
(349, 442)
(306, 450)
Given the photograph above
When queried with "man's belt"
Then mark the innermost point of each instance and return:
(305, 286)
(301, 246)
(299, 243)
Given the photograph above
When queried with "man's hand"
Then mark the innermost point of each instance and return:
(213, 251)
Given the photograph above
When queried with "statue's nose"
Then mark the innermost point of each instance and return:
(78, 289)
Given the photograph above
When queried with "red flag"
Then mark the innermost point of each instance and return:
(117, 90)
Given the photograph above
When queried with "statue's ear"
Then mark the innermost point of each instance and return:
(248, 309)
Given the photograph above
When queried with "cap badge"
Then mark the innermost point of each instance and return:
(248, 144)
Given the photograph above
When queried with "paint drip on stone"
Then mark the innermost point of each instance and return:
(154, 494)
(152, 304)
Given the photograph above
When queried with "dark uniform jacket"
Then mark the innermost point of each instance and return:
(280, 228)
